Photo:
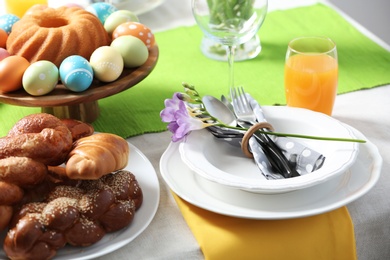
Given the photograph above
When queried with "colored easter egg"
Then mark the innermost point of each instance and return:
(107, 63)
(7, 21)
(135, 29)
(11, 73)
(3, 54)
(3, 38)
(40, 78)
(134, 52)
(76, 73)
(101, 10)
(117, 18)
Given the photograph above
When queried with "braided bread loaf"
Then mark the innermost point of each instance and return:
(33, 142)
(79, 216)
(17, 174)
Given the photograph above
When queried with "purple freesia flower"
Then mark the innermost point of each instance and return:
(185, 123)
(171, 106)
(180, 121)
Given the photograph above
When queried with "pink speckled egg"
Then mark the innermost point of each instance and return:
(136, 29)
(3, 54)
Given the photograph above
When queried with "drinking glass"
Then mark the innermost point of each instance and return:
(19, 7)
(230, 23)
(311, 74)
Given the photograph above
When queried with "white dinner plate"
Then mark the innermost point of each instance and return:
(143, 170)
(324, 197)
(220, 162)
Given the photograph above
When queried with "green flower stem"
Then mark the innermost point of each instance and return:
(314, 137)
(322, 138)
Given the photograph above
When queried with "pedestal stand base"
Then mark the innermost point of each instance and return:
(86, 112)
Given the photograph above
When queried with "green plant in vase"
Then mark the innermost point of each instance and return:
(229, 15)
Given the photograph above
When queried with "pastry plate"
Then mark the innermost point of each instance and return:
(324, 197)
(141, 167)
(220, 162)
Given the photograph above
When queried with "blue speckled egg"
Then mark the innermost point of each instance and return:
(101, 10)
(7, 21)
(40, 78)
(76, 73)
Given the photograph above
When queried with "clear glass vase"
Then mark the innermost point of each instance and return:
(217, 51)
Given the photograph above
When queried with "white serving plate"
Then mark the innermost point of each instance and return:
(324, 197)
(220, 162)
(143, 170)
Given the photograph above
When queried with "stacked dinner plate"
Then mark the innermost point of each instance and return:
(215, 175)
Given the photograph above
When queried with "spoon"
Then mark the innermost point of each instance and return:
(221, 110)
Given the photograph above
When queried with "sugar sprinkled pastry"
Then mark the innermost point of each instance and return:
(134, 52)
(7, 21)
(107, 63)
(76, 73)
(117, 18)
(101, 10)
(40, 78)
(135, 29)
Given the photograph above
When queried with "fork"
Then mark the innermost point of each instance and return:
(245, 114)
(241, 106)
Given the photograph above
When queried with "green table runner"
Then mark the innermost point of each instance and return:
(362, 64)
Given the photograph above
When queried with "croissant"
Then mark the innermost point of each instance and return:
(96, 155)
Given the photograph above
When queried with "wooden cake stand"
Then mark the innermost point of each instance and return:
(83, 106)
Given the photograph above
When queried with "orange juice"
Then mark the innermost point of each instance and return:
(311, 81)
(19, 7)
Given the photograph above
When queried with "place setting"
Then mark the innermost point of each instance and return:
(214, 173)
(232, 156)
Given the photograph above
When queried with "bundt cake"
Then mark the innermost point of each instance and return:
(54, 34)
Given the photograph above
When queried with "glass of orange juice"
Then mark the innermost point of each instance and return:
(311, 74)
(19, 7)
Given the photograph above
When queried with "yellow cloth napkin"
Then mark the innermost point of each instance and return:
(325, 236)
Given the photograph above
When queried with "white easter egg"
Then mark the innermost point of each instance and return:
(107, 63)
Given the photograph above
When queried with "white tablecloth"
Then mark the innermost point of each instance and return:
(168, 236)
